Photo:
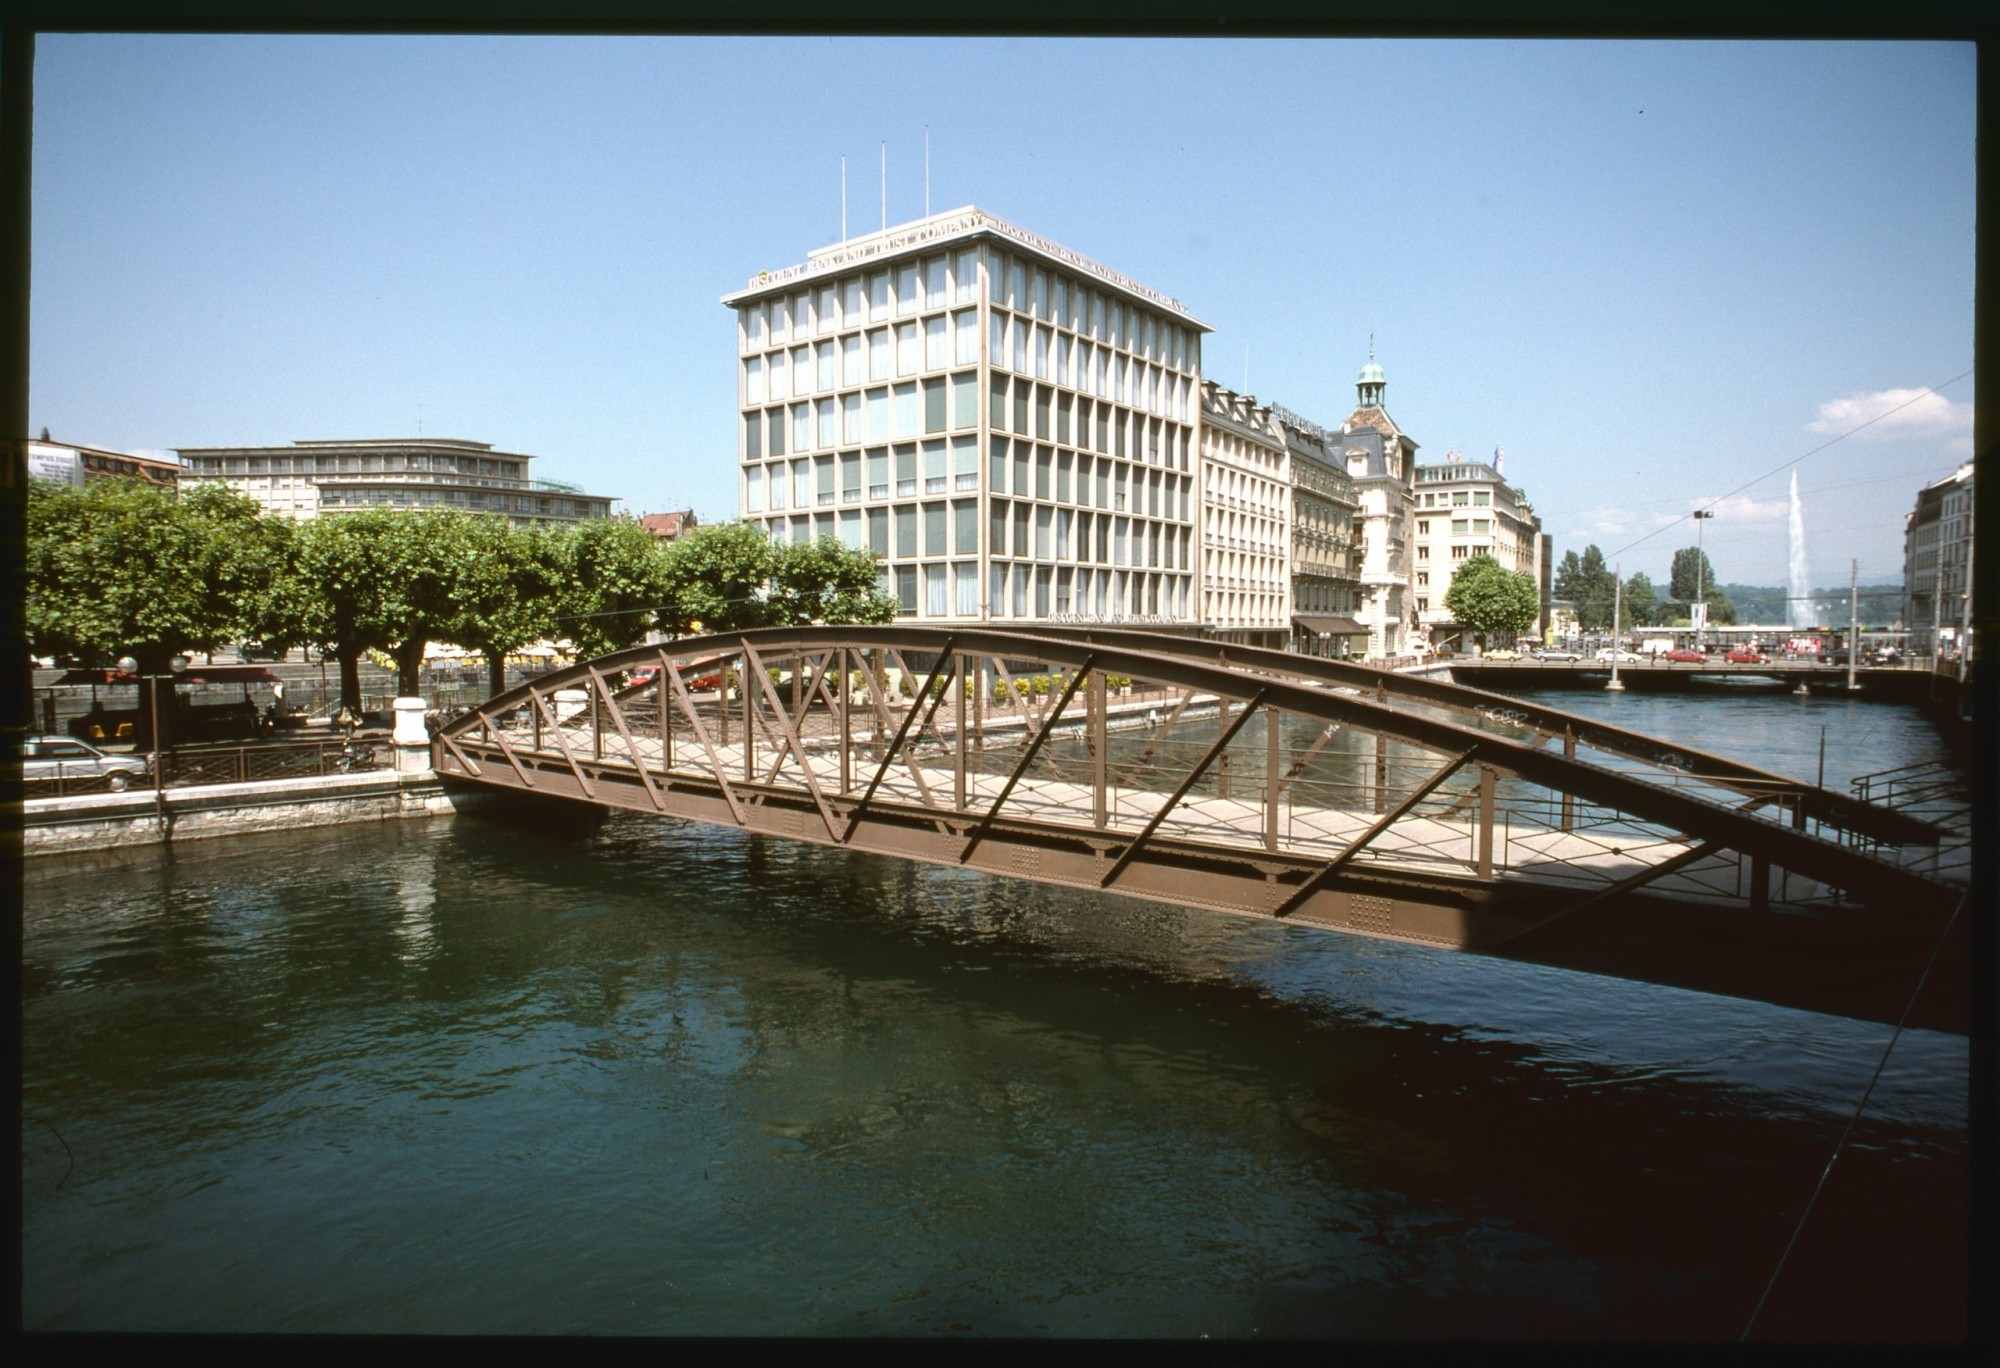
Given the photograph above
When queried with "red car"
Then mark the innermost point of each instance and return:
(1684, 654)
(1747, 655)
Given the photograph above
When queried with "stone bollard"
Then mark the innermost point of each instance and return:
(411, 741)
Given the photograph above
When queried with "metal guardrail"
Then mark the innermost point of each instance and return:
(247, 764)
(196, 767)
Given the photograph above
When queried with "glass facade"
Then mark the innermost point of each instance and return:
(1019, 435)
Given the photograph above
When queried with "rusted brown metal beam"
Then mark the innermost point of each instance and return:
(1220, 747)
(618, 721)
(1033, 749)
(1359, 843)
(854, 817)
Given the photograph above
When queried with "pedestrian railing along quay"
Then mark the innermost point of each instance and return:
(1250, 781)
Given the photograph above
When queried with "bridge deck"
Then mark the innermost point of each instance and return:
(1246, 787)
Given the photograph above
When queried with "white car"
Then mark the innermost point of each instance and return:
(1622, 657)
(48, 758)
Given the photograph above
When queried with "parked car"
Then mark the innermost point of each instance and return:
(249, 652)
(51, 758)
(1557, 653)
(1622, 657)
(1501, 655)
(1747, 655)
(1686, 655)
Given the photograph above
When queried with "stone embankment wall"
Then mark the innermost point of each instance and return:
(140, 818)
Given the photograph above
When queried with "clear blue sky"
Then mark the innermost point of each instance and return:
(1651, 272)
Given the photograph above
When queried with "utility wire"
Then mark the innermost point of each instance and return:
(1789, 464)
(1855, 1119)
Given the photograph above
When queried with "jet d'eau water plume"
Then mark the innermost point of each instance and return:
(1798, 604)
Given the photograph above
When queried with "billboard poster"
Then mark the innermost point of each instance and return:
(58, 464)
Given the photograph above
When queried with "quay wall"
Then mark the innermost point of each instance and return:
(104, 821)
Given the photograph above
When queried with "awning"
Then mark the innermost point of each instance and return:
(194, 674)
(1330, 626)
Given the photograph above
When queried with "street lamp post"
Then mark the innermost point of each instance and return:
(1700, 583)
(177, 664)
(1617, 685)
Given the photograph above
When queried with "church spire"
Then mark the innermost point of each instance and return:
(1371, 384)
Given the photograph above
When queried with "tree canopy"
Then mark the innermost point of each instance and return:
(1692, 580)
(1590, 585)
(1642, 601)
(119, 567)
(1490, 598)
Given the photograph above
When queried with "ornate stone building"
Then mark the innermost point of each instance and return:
(1325, 565)
(1381, 461)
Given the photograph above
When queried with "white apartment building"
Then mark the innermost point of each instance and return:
(309, 478)
(1382, 463)
(1326, 585)
(1013, 427)
(1937, 562)
(1464, 508)
(1246, 520)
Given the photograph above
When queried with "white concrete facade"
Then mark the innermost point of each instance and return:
(1246, 520)
(309, 478)
(1464, 508)
(1013, 428)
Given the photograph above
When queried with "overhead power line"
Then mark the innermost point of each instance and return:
(1705, 511)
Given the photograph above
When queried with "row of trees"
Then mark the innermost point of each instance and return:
(1592, 586)
(118, 568)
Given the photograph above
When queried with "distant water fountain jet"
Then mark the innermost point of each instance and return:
(1798, 604)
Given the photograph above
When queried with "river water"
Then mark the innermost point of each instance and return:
(462, 1077)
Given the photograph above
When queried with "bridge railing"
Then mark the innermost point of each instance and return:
(1135, 753)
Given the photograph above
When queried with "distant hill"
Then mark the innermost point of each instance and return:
(1880, 603)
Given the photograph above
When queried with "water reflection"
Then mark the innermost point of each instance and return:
(457, 1078)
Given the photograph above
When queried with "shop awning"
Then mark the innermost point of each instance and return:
(194, 674)
(1330, 626)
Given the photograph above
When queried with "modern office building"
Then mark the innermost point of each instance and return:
(71, 464)
(309, 478)
(1937, 563)
(1381, 461)
(1464, 508)
(1325, 550)
(1246, 520)
(1010, 425)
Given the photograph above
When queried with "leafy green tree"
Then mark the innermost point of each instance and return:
(350, 586)
(717, 577)
(1492, 599)
(121, 568)
(1692, 580)
(506, 594)
(611, 579)
(1641, 601)
(1568, 583)
(823, 581)
(1598, 590)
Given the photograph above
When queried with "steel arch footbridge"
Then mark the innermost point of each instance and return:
(1258, 783)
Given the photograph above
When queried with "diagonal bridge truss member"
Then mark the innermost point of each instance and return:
(1249, 782)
